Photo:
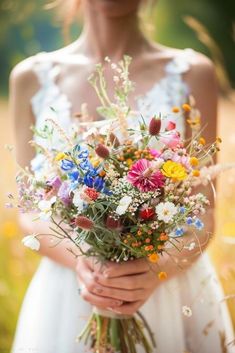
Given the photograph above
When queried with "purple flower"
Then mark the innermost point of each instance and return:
(64, 193)
(55, 182)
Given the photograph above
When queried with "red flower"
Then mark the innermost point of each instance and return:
(112, 223)
(102, 151)
(147, 213)
(170, 126)
(84, 223)
(91, 193)
(154, 126)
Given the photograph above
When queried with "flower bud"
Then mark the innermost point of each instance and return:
(84, 223)
(112, 223)
(154, 126)
(114, 140)
(102, 151)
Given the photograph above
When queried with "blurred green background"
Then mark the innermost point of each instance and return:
(27, 28)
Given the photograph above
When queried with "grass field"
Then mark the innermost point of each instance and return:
(18, 264)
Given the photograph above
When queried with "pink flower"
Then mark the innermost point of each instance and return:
(170, 126)
(184, 160)
(144, 176)
(154, 153)
(172, 140)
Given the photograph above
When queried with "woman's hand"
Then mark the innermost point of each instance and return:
(121, 287)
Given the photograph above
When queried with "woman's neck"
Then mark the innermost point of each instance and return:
(112, 37)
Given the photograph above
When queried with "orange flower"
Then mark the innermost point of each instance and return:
(163, 237)
(196, 173)
(186, 107)
(102, 173)
(202, 141)
(154, 258)
(175, 109)
(162, 276)
(194, 161)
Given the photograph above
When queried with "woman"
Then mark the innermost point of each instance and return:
(185, 311)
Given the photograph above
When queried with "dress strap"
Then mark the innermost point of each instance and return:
(45, 70)
(181, 63)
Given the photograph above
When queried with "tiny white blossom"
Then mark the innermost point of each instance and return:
(31, 241)
(165, 211)
(78, 201)
(45, 207)
(123, 205)
(187, 311)
(191, 246)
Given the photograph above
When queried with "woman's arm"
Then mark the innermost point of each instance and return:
(23, 85)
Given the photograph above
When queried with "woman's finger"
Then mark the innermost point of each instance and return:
(128, 308)
(126, 268)
(131, 282)
(99, 301)
(120, 294)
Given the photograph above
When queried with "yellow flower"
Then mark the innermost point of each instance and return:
(60, 156)
(194, 161)
(174, 170)
(129, 162)
(153, 258)
(162, 276)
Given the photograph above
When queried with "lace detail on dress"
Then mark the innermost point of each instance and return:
(49, 95)
(170, 91)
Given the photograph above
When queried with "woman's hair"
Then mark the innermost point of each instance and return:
(67, 13)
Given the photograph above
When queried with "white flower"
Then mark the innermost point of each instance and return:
(45, 207)
(187, 311)
(78, 201)
(31, 241)
(165, 211)
(191, 246)
(123, 205)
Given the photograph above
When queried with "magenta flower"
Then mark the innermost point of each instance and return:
(144, 176)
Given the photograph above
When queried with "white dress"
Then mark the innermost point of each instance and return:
(53, 313)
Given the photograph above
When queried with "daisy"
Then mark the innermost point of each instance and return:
(166, 211)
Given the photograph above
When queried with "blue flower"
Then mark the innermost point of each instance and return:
(98, 183)
(198, 224)
(88, 180)
(107, 192)
(86, 165)
(82, 152)
(189, 221)
(179, 232)
(74, 175)
(182, 209)
(66, 164)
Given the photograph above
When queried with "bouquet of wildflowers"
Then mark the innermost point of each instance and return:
(126, 193)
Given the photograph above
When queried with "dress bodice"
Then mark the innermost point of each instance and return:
(170, 91)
